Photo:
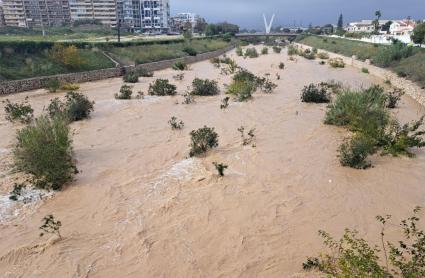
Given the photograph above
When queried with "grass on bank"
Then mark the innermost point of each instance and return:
(15, 66)
(405, 61)
(152, 53)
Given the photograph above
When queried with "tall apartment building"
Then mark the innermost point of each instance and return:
(151, 16)
(36, 13)
(103, 10)
(2, 23)
(178, 22)
(14, 13)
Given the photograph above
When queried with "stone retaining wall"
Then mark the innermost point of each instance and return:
(15, 86)
(411, 88)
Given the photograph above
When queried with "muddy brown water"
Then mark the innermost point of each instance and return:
(141, 208)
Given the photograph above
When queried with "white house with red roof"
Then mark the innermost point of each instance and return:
(402, 27)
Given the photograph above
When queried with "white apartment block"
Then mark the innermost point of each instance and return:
(2, 23)
(103, 10)
(155, 16)
(364, 26)
(14, 13)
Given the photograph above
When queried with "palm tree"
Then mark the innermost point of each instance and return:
(376, 21)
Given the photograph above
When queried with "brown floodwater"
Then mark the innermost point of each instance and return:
(140, 207)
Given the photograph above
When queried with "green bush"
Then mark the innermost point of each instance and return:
(251, 52)
(53, 85)
(388, 54)
(315, 93)
(239, 51)
(180, 65)
(365, 70)
(204, 87)
(292, 50)
(202, 140)
(323, 55)
(352, 256)
(241, 90)
(267, 86)
(162, 87)
(265, 51)
(277, 49)
(309, 54)
(190, 50)
(44, 151)
(76, 107)
(336, 63)
(353, 153)
(398, 140)
(22, 112)
(281, 65)
(70, 87)
(125, 92)
(131, 77)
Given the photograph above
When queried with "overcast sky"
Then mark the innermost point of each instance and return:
(248, 13)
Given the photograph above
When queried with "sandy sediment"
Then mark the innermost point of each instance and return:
(141, 208)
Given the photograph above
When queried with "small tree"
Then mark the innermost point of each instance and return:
(220, 167)
(418, 35)
(202, 140)
(51, 226)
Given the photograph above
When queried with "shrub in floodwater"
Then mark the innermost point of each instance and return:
(52, 85)
(220, 167)
(249, 138)
(292, 50)
(125, 92)
(131, 77)
(336, 63)
(215, 61)
(44, 151)
(267, 86)
(322, 63)
(70, 87)
(17, 191)
(315, 93)
(22, 112)
(353, 153)
(180, 65)
(51, 226)
(224, 103)
(188, 98)
(202, 140)
(365, 70)
(178, 77)
(281, 65)
(352, 256)
(309, 55)
(241, 90)
(277, 76)
(334, 86)
(265, 51)
(239, 51)
(175, 124)
(162, 87)
(76, 107)
(277, 49)
(323, 55)
(399, 139)
(204, 87)
(393, 97)
(251, 52)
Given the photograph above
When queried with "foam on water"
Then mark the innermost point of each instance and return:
(28, 200)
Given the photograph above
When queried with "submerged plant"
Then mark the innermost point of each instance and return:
(249, 138)
(315, 93)
(175, 124)
(393, 97)
(220, 167)
(204, 87)
(17, 191)
(51, 226)
(180, 65)
(22, 112)
(224, 103)
(125, 92)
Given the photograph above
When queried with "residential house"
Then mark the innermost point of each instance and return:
(402, 27)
